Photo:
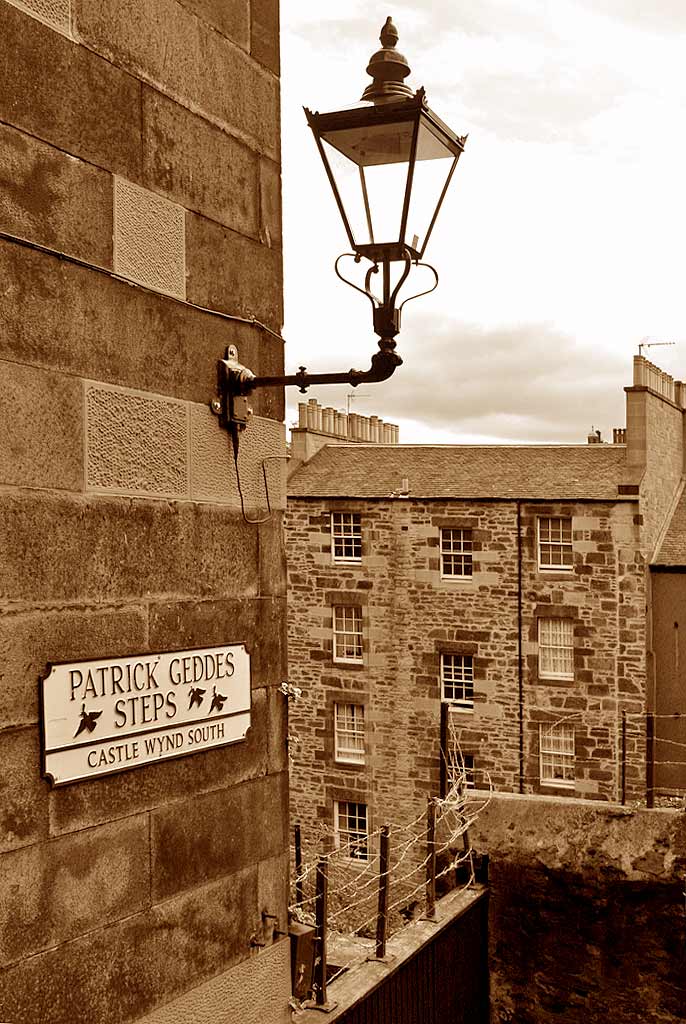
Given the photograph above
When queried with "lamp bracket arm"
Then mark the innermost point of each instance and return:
(237, 382)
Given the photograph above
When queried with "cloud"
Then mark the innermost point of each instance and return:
(504, 64)
(664, 17)
(551, 104)
(522, 382)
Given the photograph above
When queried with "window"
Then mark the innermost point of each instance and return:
(456, 553)
(346, 537)
(554, 543)
(557, 754)
(349, 733)
(457, 679)
(347, 633)
(556, 648)
(460, 771)
(350, 826)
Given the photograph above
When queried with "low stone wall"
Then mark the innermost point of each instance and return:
(588, 911)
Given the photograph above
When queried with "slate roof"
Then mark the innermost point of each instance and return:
(591, 471)
(673, 548)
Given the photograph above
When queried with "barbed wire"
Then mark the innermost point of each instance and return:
(341, 851)
(353, 883)
(370, 868)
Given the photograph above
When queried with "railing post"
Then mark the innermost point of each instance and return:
(382, 916)
(445, 753)
(623, 756)
(298, 866)
(650, 759)
(321, 914)
(431, 860)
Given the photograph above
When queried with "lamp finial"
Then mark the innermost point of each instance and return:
(388, 68)
(389, 33)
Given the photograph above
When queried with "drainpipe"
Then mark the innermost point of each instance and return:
(520, 672)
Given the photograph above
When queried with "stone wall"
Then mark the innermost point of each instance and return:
(142, 141)
(410, 615)
(587, 919)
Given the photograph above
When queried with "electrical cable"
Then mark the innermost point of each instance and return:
(235, 444)
(85, 264)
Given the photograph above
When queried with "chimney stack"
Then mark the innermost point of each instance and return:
(318, 427)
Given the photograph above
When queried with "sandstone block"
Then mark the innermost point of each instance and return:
(29, 642)
(256, 348)
(198, 165)
(78, 101)
(270, 203)
(278, 731)
(54, 13)
(67, 318)
(23, 794)
(52, 198)
(149, 239)
(188, 61)
(255, 991)
(259, 623)
(52, 892)
(223, 553)
(273, 883)
(232, 19)
(233, 274)
(136, 442)
(272, 558)
(123, 971)
(41, 422)
(218, 834)
(85, 804)
(264, 38)
(262, 453)
(60, 548)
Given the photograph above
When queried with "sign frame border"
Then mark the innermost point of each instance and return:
(51, 665)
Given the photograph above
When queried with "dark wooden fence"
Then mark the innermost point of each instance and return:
(445, 982)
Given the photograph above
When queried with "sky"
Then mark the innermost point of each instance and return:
(559, 245)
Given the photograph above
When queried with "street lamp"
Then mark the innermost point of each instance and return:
(389, 166)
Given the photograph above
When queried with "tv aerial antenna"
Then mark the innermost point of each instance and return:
(649, 342)
(352, 396)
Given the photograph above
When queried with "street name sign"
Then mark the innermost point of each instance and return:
(110, 715)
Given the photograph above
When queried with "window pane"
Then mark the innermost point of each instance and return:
(456, 552)
(460, 771)
(351, 829)
(347, 633)
(557, 754)
(349, 732)
(556, 648)
(346, 536)
(457, 678)
(555, 542)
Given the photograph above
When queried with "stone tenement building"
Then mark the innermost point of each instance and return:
(139, 181)
(495, 594)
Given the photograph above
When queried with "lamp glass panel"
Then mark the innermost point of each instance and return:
(432, 167)
(370, 165)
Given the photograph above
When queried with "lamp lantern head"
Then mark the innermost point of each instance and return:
(389, 164)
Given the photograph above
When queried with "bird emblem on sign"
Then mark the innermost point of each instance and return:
(218, 700)
(196, 695)
(88, 722)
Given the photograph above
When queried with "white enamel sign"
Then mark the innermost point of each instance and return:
(108, 716)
